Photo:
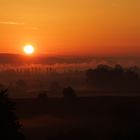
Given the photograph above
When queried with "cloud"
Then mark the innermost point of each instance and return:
(11, 23)
(20, 24)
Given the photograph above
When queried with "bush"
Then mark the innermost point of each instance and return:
(69, 93)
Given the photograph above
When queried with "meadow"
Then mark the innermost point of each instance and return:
(85, 118)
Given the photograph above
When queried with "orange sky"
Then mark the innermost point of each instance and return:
(99, 27)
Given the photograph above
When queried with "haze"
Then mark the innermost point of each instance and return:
(97, 27)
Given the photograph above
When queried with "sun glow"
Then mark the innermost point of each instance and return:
(28, 49)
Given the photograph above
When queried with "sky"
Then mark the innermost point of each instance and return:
(67, 27)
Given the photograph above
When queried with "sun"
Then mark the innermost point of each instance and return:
(28, 49)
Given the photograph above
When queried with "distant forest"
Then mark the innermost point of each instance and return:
(114, 78)
(30, 80)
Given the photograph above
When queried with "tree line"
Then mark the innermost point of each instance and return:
(113, 78)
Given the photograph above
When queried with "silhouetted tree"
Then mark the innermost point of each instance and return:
(42, 96)
(106, 78)
(69, 93)
(9, 123)
(99, 76)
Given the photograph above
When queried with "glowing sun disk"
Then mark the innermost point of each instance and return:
(28, 49)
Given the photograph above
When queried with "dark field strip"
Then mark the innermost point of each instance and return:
(99, 118)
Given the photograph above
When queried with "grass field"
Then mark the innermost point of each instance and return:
(96, 118)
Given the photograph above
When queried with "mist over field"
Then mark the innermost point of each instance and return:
(16, 59)
(27, 77)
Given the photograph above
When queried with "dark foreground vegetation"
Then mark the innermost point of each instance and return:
(70, 116)
(10, 127)
(90, 118)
